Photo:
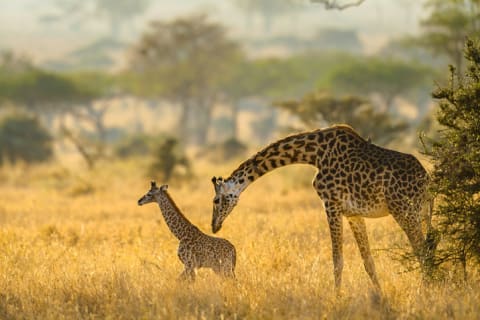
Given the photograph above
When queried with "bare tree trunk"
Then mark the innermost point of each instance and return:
(96, 118)
(204, 120)
(86, 155)
(98, 122)
(90, 151)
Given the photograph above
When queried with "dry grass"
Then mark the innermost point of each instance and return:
(76, 245)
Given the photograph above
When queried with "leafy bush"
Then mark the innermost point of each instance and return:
(232, 148)
(135, 145)
(22, 138)
(168, 156)
(456, 175)
(320, 107)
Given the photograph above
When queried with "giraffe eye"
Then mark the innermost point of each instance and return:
(216, 201)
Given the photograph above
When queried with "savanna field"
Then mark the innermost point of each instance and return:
(75, 245)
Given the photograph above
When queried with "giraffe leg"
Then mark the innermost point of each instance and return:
(357, 224)
(227, 271)
(334, 216)
(187, 275)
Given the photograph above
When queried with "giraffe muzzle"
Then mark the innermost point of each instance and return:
(216, 225)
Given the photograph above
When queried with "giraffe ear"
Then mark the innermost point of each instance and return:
(164, 187)
(216, 184)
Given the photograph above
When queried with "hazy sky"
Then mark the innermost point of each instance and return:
(376, 20)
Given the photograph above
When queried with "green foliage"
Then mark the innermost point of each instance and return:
(38, 90)
(233, 148)
(22, 138)
(135, 145)
(227, 150)
(281, 78)
(271, 77)
(389, 78)
(168, 156)
(456, 175)
(90, 84)
(444, 31)
(319, 107)
(189, 56)
(34, 87)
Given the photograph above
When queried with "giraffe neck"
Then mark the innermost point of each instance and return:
(175, 220)
(304, 148)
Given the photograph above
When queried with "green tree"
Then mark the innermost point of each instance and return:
(23, 138)
(456, 173)
(35, 90)
(185, 61)
(50, 96)
(25, 87)
(445, 29)
(136, 145)
(388, 78)
(168, 156)
(320, 108)
(88, 106)
(267, 78)
(273, 79)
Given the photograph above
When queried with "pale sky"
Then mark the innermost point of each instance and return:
(376, 20)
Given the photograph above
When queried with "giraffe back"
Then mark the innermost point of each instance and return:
(206, 251)
(370, 180)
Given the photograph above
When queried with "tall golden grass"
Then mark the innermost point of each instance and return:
(75, 245)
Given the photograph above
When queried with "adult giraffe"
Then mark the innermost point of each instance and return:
(355, 179)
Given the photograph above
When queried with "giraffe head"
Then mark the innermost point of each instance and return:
(151, 195)
(226, 198)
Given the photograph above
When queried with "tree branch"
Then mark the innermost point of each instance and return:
(332, 4)
(86, 155)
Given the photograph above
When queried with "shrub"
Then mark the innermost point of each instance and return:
(456, 174)
(135, 145)
(168, 156)
(22, 138)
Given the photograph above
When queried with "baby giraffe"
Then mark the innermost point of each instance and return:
(196, 249)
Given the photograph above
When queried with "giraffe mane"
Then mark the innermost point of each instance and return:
(253, 159)
(174, 205)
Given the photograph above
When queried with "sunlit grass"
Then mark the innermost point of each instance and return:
(74, 244)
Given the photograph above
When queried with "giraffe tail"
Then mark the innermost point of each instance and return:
(430, 215)
(431, 241)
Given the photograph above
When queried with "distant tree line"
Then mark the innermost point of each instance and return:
(195, 65)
